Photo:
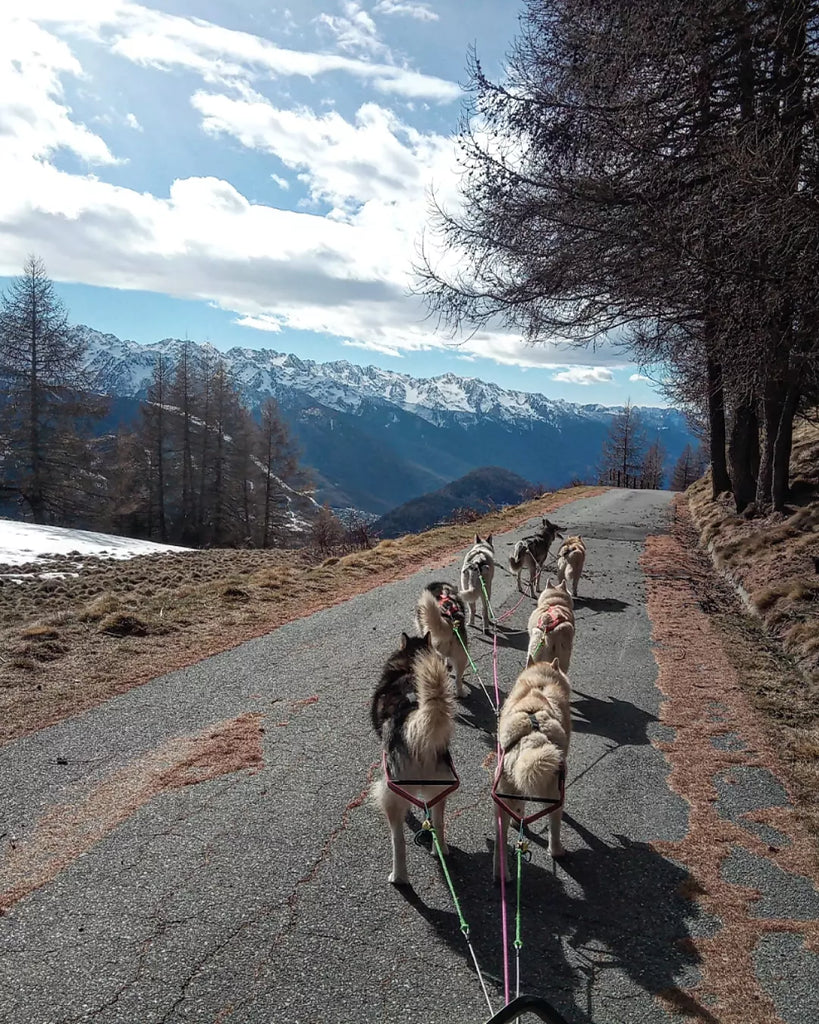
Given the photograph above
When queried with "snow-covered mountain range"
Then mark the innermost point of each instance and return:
(376, 438)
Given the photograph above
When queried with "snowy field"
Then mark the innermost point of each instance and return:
(25, 542)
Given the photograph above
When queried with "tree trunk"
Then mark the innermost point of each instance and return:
(741, 450)
(720, 480)
(782, 448)
(772, 406)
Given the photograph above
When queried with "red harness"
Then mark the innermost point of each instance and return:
(397, 785)
(551, 619)
(449, 607)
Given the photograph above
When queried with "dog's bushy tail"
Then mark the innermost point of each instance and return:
(536, 764)
(517, 556)
(430, 619)
(429, 728)
(471, 583)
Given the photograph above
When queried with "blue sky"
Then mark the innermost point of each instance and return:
(258, 175)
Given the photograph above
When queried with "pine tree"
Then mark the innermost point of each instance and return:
(623, 449)
(45, 400)
(688, 468)
(278, 464)
(183, 398)
(154, 434)
(651, 472)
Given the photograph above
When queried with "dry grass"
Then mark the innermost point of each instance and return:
(69, 644)
(719, 659)
(772, 559)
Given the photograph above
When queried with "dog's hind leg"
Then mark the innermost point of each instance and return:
(556, 848)
(485, 609)
(438, 825)
(459, 660)
(500, 838)
(396, 809)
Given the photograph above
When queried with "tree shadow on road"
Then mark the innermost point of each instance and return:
(613, 719)
(631, 918)
(601, 604)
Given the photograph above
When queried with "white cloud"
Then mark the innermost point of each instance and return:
(585, 375)
(354, 30)
(219, 55)
(132, 122)
(372, 346)
(421, 11)
(639, 376)
(347, 165)
(283, 183)
(34, 120)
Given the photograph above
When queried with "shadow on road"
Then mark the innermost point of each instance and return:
(613, 719)
(601, 604)
(631, 919)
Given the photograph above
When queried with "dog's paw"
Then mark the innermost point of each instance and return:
(395, 879)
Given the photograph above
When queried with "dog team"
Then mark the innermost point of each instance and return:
(414, 703)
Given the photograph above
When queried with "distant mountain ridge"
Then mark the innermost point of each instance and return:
(376, 438)
(479, 490)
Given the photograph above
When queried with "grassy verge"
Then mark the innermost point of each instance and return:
(776, 651)
(71, 643)
(772, 559)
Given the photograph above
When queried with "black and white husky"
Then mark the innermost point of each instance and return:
(479, 565)
(442, 613)
(531, 552)
(412, 711)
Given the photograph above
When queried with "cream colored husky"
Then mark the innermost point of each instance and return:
(534, 732)
(551, 626)
(570, 561)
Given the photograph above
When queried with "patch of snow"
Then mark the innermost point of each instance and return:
(25, 542)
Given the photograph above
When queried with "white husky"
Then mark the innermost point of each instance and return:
(476, 578)
(570, 561)
(551, 626)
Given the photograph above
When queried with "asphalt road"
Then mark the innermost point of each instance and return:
(264, 897)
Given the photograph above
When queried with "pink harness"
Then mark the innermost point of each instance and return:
(551, 619)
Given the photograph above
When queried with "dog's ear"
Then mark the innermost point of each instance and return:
(530, 661)
(550, 583)
(478, 539)
(404, 641)
(489, 540)
(564, 585)
(556, 664)
(427, 639)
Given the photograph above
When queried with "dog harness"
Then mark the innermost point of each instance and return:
(551, 803)
(449, 607)
(446, 787)
(551, 619)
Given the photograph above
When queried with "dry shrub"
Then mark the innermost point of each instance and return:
(102, 606)
(39, 632)
(47, 650)
(23, 662)
(123, 624)
(234, 593)
(330, 561)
